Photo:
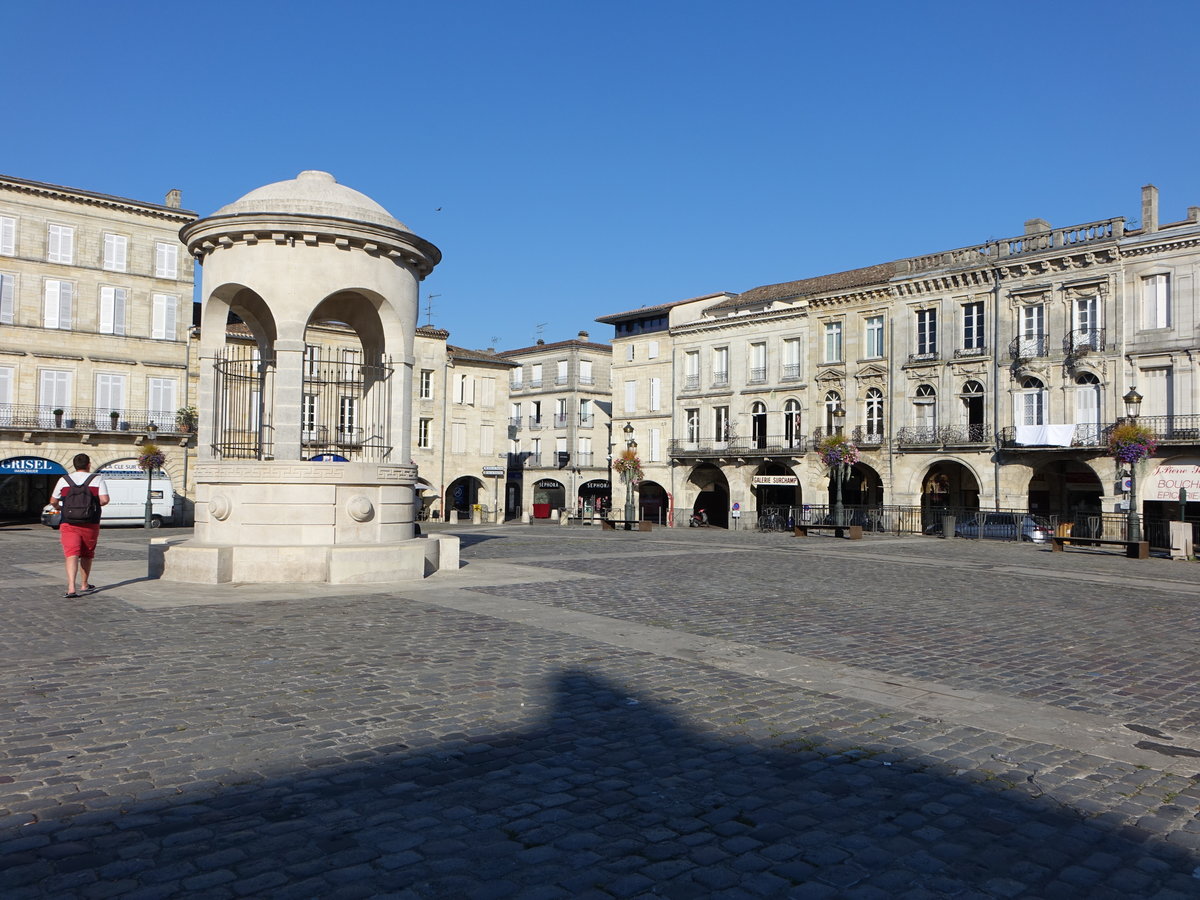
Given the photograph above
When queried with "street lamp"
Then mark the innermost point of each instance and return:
(151, 434)
(1133, 406)
(838, 472)
(630, 445)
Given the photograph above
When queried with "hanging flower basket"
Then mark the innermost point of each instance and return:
(1130, 443)
(836, 450)
(151, 458)
(628, 462)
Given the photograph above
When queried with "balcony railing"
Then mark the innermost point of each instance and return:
(515, 422)
(1029, 347)
(944, 435)
(966, 352)
(923, 356)
(586, 420)
(760, 445)
(1173, 429)
(88, 418)
(1083, 340)
(691, 382)
(535, 422)
(720, 379)
(864, 438)
(583, 459)
(586, 379)
(560, 379)
(1051, 437)
(758, 375)
(791, 371)
(561, 419)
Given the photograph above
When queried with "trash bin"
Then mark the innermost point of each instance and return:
(947, 526)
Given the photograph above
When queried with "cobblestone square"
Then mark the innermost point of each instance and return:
(578, 713)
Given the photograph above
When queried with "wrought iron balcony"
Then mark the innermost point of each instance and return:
(561, 419)
(760, 445)
(720, 379)
(1093, 435)
(758, 375)
(1029, 347)
(791, 371)
(515, 422)
(944, 435)
(967, 352)
(1173, 429)
(864, 438)
(924, 357)
(535, 422)
(691, 382)
(585, 420)
(89, 419)
(1083, 340)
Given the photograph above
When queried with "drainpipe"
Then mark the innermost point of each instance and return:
(442, 449)
(996, 384)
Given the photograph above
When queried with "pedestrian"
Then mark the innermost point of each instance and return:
(78, 496)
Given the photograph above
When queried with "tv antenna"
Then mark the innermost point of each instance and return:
(429, 309)
(540, 330)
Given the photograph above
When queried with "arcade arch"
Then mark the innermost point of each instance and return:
(711, 489)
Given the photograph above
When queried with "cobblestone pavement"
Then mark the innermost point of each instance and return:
(682, 713)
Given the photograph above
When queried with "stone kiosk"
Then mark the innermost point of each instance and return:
(304, 470)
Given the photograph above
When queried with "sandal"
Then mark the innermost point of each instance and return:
(88, 589)
(71, 596)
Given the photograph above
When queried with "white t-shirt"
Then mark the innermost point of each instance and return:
(98, 485)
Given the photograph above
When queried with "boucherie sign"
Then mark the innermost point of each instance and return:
(1169, 476)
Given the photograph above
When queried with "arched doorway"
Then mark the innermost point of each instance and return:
(775, 486)
(548, 495)
(652, 502)
(596, 496)
(512, 499)
(462, 494)
(862, 494)
(947, 485)
(713, 495)
(426, 497)
(1065, 488)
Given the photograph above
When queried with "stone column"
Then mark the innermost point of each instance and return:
(288, 396)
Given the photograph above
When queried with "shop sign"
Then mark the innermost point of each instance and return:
(30, 465)
(1166, 480)
(547, 484)
(774, 479)
(597, 484)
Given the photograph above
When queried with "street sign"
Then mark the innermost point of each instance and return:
(493, 471)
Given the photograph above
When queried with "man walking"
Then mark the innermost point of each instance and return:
(79, 496)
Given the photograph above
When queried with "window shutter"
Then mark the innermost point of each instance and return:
(630, 396)
(7, 305)
(8, 236)
(486, 440)
(655, 394)
(655, 444)
(107, 301)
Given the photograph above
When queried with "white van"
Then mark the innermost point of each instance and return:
(127, 500)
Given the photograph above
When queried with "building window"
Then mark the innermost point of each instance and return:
(583, 451)
(458, 437)
(1085, 325)
(8, 303)
(793, 433)
(166, 260)
(110, 396)
(926, 332)
(1031, 338)
(1030, 407)
(758, 426)
(720, 366)
(1087, 408)
(874, 416)
(6, 395)
(60, 244)
(464, 389)
(487, 440)
(561, 376)
(348, 431)
(833, 342)
(424, 432)
(691, 370)
(8, 236)
(655, 453)
(1156, 301)
(535, 455)
(308, 418)
(722, 431)
(426, 384)
(832, 401)
(758, 362)
(691, 424)
(57, 310)
(791, 358)
(585, 371)
(535, 375)
(973, 410)
(161, 394)
(54, 392)
(973, 325)
(517, 375)
(560, 412)
(585, 412)
(165, 308)
(652, 350)
(112, 310)
(925, 411)
(487, 390)
(514, 415)
(874, 337)
(116, 252)
(629, 351)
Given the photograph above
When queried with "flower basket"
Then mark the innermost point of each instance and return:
(1131, 443)
(627, 465)
(837, 450)
(151, 458)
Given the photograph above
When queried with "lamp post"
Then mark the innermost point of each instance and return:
(151, 434)
(1133, 406)
(838, 471)
(630, 445)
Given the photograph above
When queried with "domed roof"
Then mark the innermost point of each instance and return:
(313, 193)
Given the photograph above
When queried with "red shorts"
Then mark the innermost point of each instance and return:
(79, 540)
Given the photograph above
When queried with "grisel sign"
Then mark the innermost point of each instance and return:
(30, 465)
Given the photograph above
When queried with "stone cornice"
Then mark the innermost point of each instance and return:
(90, 198)
(218, 232)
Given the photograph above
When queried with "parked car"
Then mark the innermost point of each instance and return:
(1004, 526)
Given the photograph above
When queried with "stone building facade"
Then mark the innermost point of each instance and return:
(982, 377)
(559, 428)
(95, 315)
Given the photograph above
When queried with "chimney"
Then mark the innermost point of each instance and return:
(540, 341)
(1034, 226)
(583, 335)
(174, 198)
(1194, 213)
(1149, 208)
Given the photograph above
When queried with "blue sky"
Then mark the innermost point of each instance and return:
(593, 158)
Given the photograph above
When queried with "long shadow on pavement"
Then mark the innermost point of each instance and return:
(610, 796)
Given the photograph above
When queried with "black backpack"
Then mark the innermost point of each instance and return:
(79, 505)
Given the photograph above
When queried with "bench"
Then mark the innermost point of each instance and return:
(627, 524)
(850, 532)
(1133, 549)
